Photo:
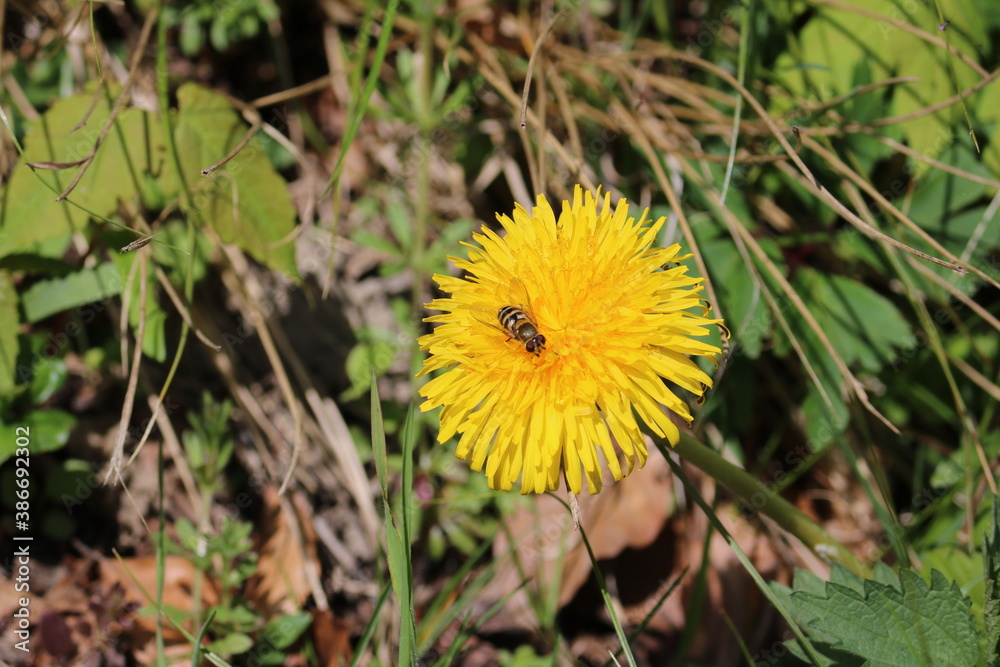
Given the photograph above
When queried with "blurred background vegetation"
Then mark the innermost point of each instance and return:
(305, 167)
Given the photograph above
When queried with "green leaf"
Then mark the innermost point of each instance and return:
(835, 41)
(401, 221)
(9, 320)
(154, 335)
(398, 552)
(742, 301)
(231, 644)
(862, 325)
(911, 623)
(991, 575)
(29, 214)
(245, 201)
(285, 630)
(360, 360)
(48, 370)
(369, 239)
(48, 429)
(48, 297)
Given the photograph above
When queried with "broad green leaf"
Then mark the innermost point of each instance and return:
(987, 105)
(835, 41)
(960, 566)
(46, 367)
(232, 644)
(742, 301)
(245, 201)
(912, 624)
(29, 214)
(55, 295)
(821, 642)
(48, 431)
(991, 576)
(9, 321)
(862, 325)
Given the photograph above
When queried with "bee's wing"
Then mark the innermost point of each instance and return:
(488, 317)
(519, 294)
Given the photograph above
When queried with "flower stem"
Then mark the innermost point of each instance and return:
(783, 513)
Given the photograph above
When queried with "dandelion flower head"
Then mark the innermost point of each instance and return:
(616, 316)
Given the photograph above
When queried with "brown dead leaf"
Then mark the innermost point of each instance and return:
(332, 639)
(625, 515)
(138, 577)
(287, 557)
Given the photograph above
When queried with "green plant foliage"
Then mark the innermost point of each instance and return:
(835, 41)
(31, 215)
(745, 307)
(245, 201)
(397, 537)
(48, 297)
(862, 325)
(887, 620)
(228, 22)
(9, 322)
(209, 443)
(154, 341)
(991, 589)
(49, 430)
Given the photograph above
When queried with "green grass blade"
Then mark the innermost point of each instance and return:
(369, 631)
(398, 552)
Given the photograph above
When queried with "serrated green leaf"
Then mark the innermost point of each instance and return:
(30, 215)
(48, 297)
(9, 321)
(863, 326)
(991, 575)
(742, 300)
(962, 567)
(914, 624)
(245, 201)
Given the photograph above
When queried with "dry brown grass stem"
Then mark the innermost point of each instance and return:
(118, 451)
(302, 90)
(937, 106)
(182, 309)
(957, 295)
(956, 264)
(253, 297)
(486, 62)
(937, 164)
(978, 378)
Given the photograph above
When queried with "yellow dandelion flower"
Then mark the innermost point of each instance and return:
(612, 317)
